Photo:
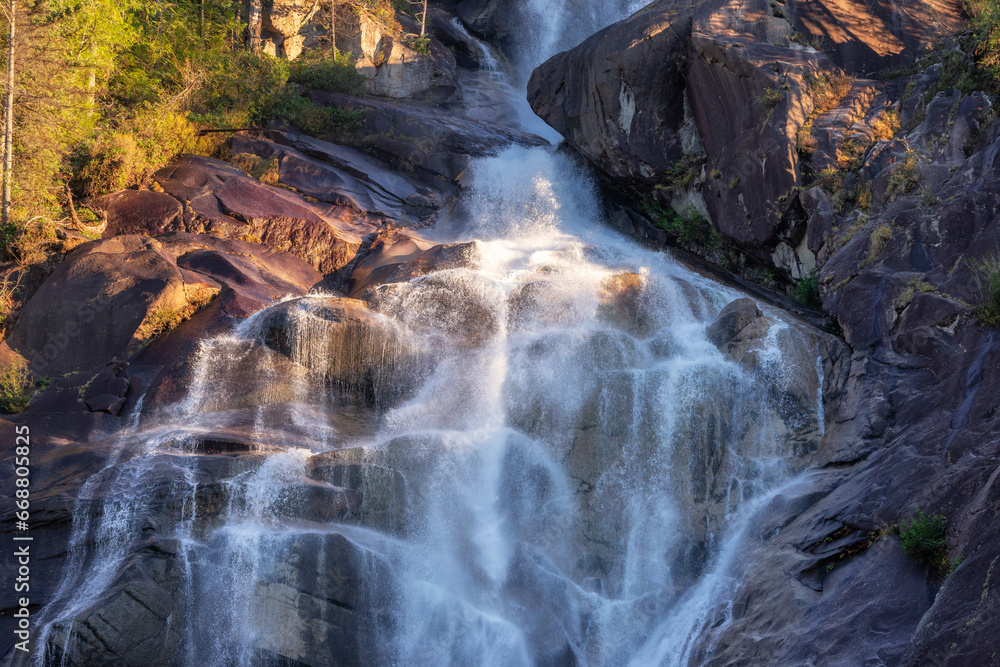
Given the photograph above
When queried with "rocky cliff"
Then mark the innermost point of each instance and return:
(255, 318)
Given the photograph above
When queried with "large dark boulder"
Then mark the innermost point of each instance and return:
(435, 143)
(618, 98)
(110, 298)
(102, 303)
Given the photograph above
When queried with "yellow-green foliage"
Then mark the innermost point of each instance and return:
(16, 386)
(864, 196)
(264, 170)
(771, 98)
(851, 152)
(887, 125)
(911, 289)
(383, 11)
(903, 176)
(986, 272)
(124, 156)
(880, 236)
(985, 44)
(830, 179)
(163, 319)
(827, 90)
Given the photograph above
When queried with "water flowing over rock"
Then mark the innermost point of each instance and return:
(311, 427)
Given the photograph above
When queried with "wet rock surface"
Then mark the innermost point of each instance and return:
(907, 419)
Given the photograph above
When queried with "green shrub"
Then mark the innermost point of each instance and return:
(903, 176)
(318, 121)
(976, 66)
(336, 74)
(240, 90)
(9, 233)
(688, 228)
(807, 292)
(771, 98)
(923, 539)
(986, 273)
(879, 238)
(16, 387)
(830, 179)
(886, 125)
(122, 157)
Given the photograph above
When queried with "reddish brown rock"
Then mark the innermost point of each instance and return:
(211, 197)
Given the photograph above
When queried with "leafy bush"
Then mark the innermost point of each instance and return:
(315, 120)
(689, 228)
(880, 236)
(984, 45)
(827, 90)
(239, 90)
(16, 386)
(903, 176)
(122, 157)
(9, 234)
(923, 539)
(807, 292)
(771, 98)
(986, 272)
(887, 125)
(863, 194)
(335, 74)
(830, 179)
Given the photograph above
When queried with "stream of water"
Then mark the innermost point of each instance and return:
(570, 476)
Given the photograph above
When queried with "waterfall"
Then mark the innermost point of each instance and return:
(533, 458)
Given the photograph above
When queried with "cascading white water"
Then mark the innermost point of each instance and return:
(569, 477)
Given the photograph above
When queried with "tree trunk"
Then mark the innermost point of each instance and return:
(253, 25)
(333, 26)
(8, 143)
(201, 23)
(92, 81)
(423, 20)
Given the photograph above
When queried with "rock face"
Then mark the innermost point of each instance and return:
(622, 105)
(364, 355)
(120, 293)
(702, 103)
(437, 144)
(206, 196)
(282, 23)
(395, 70)
(867, 37)
(106, 295)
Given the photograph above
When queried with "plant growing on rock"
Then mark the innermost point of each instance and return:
(771, 98)
(687, 228)
(986, 272)
(880, 236)
(163, 319)
(16, 386)
(886, 125)
(264, 170)
(830, 179)
(923, 539)
(903, 176)
(863, 195)
(807, 292)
